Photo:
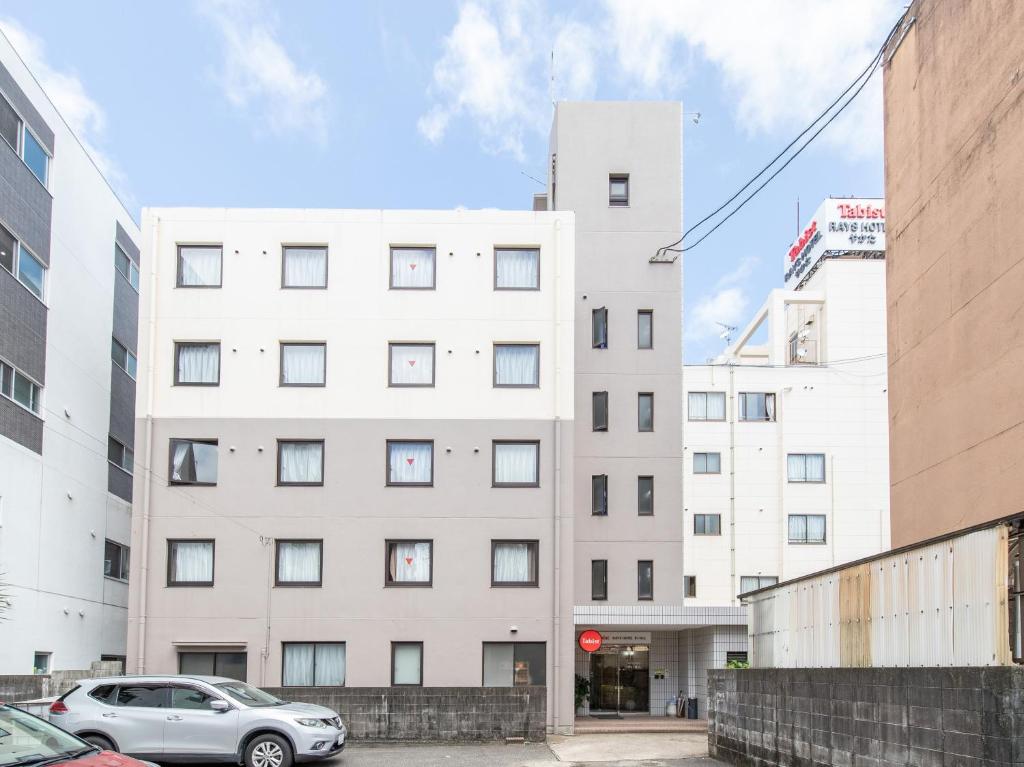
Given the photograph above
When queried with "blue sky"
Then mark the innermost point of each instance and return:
(437, 104)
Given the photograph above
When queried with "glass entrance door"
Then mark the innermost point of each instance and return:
(620, 679)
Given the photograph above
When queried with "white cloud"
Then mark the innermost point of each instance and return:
(725, 305)
(260, 76)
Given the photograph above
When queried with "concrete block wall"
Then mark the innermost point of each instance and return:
(873, 717)
(431, 713)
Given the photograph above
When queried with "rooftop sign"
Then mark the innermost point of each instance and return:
(846, 225)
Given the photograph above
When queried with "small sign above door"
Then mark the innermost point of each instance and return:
(626, 637)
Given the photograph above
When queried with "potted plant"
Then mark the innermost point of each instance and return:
(582, 693)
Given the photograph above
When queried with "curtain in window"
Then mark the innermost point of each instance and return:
(797, 527)
(716, 406)
(748, 583)
(816, 528)
(305, 267)
(796, 467)
(697, 406)
(517, 268)
(513, 563)
(516, 365)
(815, 467)
(714, 463)
(515, 464)
(498, 660)
(412, 267)
(330, 665)
(412, 365)
(298, 665)
(194, 462)
(407, 658)
(198, 363)
(769, 406)
(200, 266)
(410, 462)
(301, 462)
(410, 562)
(298, 561)
(303, 363)
(193, 561)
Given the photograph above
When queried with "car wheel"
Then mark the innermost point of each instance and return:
(268, 751)
(99, 741)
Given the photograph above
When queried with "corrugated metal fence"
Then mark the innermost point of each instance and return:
(942, 604)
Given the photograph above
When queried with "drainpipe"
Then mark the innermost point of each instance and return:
(556, 601)
(265, 652)
(732, 482)
(782, 474)
(831, 533)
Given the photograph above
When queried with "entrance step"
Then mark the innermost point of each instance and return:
(586, 725)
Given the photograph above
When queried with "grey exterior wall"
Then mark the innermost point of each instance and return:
(431, 714)
(874, 717)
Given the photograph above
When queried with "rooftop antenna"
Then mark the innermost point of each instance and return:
(727, 331)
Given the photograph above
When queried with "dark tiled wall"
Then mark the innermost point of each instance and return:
(25, 206)
(870, 717)
(19, 425)
(23, 320)
(21, 102)
(431, 713)
(122, 387)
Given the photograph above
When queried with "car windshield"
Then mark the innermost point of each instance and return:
(26, 740)
(249, 695)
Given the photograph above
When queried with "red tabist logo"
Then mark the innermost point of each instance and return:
(860, 211)
(590, 641)
(804, 239)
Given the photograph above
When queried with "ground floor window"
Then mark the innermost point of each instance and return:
(313, 664)
(407, 664)
(514, 664)
(227, 664)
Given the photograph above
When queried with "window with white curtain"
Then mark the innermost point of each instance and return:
(410, 463)
(757, 406)
(196, 363)
(707, 524)
(514, 563)
(199, 266)
(514, 664)
(299, 563)
(517, 364)
(313, 664)
(806, 467)
(409, 563)
(706, 406)
(190, 563)
(412, 268)
(806, 528)
(303, 266)
(300, 462)
(516, 464)
(516, 269)
(193, 462)
(754, 582)
(411, 364)
(707, 463)
(303, 364)
(407, 664)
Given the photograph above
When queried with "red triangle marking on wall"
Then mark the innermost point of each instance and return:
(408, 560)
(412, 362)
(412, 266)
(409, 460)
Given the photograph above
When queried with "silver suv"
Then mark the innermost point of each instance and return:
(197, 719)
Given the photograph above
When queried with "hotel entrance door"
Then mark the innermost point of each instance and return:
(620, 679)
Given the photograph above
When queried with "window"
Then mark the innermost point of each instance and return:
(196, 364)
(104, 693)
(8, 248)
(190, 563)
(599, 320)
(41, 662)
(410, 463)
(806, 467)
(706, 406)
(119, 455)
(313, 664)
(127, 267)
(599, 495)
(645, 329)
(707, 463)
(645, 496)
(514, 664)
(515, 464)
(300, 462)
(303, 364)
(303, 266)
(755, 582)
(707, 524)
(599, 580)
(115, 560)
(16, 258)
(199, 266)
(193, 462)
(190, 699)
(407, 664)
(36, 157)
(227, 664)
(645, 411)
(514, 563)
(806, 528)
(690, 586)
(618, 190)
(14, 131)
(516, 269)
(757, 406)
(123, 358)
(17, 386)
(413, 268)
(144, 696)
(517, 365)
(10, 125)
(411, 364)
(409, 563)
(645, 579)
(600, 410)
(299, 563)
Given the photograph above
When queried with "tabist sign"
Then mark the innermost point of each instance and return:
(845, 225)
(590, 641)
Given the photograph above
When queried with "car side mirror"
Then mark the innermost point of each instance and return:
(220, 706)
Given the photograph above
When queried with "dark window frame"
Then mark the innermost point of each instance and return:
(639, 424)
(171, 444)
(618, 201)
(494, 365)
(639, 577)
(131, 264)
(278, 583)
(285, 247)
(705, 517)
(599, 320)
(387, 462)
(125, 450)
(203, 246)
(171, 583)
(483, 662)
(215, 654)
(433, 365)
(531, 584)
(178, 345)
(689, 587)
(494, 456)
(124, 557)
(599, 495)
(599, 424)
(280, 376)
(639, 495)
(391, 266)
(389, 582)
(742, 407)
(498, 248)
(649, 313)
(314, 685)
(323, 458)
(595, 565)
(128, 353)
(404, 684)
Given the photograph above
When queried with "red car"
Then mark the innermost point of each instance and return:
(28, 741)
